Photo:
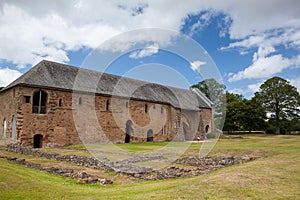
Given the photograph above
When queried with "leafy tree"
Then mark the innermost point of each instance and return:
(234, 107)
(253, 115)
(280, 98)
(215, 91)
(243, 114)
(211, 88)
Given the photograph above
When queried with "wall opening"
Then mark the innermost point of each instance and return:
(27, 99)
(146, 108)
(107, 105)
(150, 136)
(4, 128)
(39, 99)
(80, 101)
(128, 131)
(13, 127)
(206, 128)
(60, 102)
(37, 141)
(185, 131)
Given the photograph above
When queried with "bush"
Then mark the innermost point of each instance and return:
(210, 135)
(271, 129)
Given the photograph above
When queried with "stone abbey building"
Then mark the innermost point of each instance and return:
(55, 104)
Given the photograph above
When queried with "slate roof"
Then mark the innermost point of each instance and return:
(60, 76)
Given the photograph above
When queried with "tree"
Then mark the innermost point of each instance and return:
(233, 112)
(279, 98)
(243, 114)
(211, 88)
(253, 115)
(215, 91)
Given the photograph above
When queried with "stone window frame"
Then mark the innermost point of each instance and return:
(41, 106)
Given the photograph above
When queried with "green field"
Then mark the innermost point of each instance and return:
(274, 176)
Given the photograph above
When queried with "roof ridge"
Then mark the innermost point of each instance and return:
(63, 76)
(23, 76)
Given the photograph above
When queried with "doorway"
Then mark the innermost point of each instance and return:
(128, 131)
(37, 141)
(150, 136)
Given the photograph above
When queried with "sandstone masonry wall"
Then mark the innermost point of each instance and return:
(72, 118)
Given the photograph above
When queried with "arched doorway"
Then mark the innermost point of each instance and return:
(128, 131)
(37, 141)
(150, 136)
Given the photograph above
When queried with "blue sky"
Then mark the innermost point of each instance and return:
(249, 41)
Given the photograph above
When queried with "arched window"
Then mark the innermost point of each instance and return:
(4, 128)
(39, 99)
(60, 102)
(80, 101)
(107, 105)
(146, 108)
(162, 110)
(13, 127)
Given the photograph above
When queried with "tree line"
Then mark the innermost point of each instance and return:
(275, 107)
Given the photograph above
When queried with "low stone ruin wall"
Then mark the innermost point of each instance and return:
(80, 176)
(194, 165)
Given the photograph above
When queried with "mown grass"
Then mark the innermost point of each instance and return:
(276, 176)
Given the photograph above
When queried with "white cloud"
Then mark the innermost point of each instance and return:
(254, 87)
(36, 30)
(7, 76)
(296, 82)
(33, 30)
(237, 91)
(262, 67)
(145, 52)
(196, 65)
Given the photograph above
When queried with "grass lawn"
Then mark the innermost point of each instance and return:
(276, 176)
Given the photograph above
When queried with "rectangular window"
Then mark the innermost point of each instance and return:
(107, 105)
(39, 100)
(27, 99)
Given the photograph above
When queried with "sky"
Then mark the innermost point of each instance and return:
(178, 43)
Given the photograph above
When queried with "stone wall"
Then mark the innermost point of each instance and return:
(9, 101)
(72, 118)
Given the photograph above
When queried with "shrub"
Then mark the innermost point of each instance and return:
(210, 135)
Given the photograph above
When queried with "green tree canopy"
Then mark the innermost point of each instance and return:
(211, 88)
(243, 114)
(279, 98)
(215, 91)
